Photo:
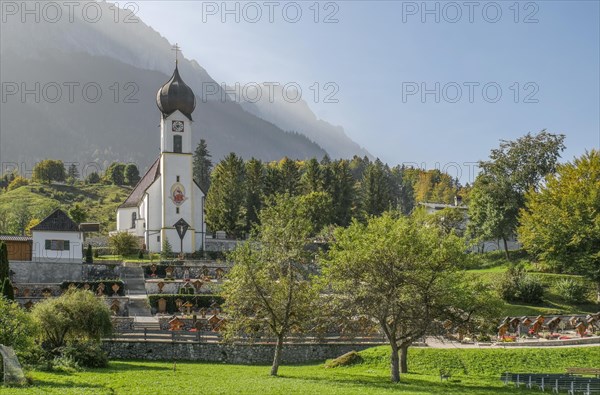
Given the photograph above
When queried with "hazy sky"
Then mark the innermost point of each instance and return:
(543, 56)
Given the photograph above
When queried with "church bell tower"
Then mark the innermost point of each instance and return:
(176, 102)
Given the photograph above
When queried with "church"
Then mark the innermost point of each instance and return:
(167, 204)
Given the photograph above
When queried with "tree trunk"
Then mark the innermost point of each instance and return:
(404, 358)
(277, 356)
(395, 364)
(598, 293)
(506, 248)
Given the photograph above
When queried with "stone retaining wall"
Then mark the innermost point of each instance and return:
(226, 353)
(45, 272)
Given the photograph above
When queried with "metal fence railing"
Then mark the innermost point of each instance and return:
(214, 337)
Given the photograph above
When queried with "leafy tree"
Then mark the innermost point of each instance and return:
(92, 178)
(269, 288)
(492, 211)
(435, 186)
(318, 209)
(202, 165)
(33, 222)
(115, 174)
(73, 171)
(49, 170)
(89, 254)
(255, 178)
(402, 275)
(20, 216)
(17, 328)
(123, 243)
(226, 201)
(131, 174)
(4, 220)
(17, 182)
(78, 214)
(75, 315)
(499, 191)
(449, 220)
(560, 223)
(526, 161)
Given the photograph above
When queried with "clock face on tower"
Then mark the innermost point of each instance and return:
(177, 126)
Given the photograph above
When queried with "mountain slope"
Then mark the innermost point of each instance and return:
(128, 59)
(297, 116)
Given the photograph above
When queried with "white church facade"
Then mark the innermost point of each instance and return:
(167, 203)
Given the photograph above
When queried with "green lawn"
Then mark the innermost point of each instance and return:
(492, 265)
(473, 372)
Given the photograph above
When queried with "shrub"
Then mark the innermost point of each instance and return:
(518, 286)
(89, 255)
(74, 315)
(17, 329)
(92, 178)
(123, 243)
(530, 289)
(62, 364)
(571, 290)
(186, 291)
(87, 354)
(348, 359)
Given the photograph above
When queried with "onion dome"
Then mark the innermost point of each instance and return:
(176, 95)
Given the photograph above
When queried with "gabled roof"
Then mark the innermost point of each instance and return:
(135, 197)
(57, 221)
(200, 188)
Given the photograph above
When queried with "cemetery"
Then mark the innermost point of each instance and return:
(288, 258)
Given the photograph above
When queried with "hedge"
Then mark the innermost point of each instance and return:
(94, 286)
(199, 301)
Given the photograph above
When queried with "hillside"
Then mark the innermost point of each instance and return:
(99, 201)
(491, 267)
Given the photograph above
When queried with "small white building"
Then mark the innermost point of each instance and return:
(167, 202)
(57, 238)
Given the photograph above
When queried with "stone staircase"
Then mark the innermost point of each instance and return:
(139, 307)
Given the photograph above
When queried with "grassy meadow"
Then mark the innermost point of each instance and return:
(473, 371)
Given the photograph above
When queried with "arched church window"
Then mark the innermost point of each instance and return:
(177, 144)
(133, 219)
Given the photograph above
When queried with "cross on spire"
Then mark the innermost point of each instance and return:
(177, 49)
